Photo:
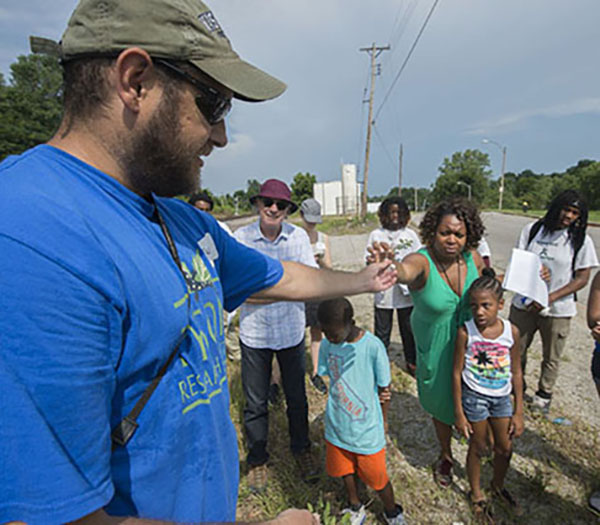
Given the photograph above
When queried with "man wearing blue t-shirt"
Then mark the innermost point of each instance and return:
(112, 293)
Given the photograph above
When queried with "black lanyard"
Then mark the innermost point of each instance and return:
(123, 432)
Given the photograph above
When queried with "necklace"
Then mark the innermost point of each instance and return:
(444, 271)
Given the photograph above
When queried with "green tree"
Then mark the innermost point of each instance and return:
(252, 188)
(470, 168)
(589, 178)
(302, 186)
(420, 196)
(30, 104)
(534, 188)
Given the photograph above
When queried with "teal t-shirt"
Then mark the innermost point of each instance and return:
(353, 419)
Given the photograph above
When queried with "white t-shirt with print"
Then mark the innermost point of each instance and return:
(404, 242)
(556, 252)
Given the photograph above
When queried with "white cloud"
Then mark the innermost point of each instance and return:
(240, 144)
(587, 105)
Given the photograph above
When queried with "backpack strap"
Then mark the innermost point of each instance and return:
(535, 228)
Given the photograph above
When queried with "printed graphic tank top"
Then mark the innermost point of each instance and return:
(487, 361)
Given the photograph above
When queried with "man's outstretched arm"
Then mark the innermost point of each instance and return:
(302, 283)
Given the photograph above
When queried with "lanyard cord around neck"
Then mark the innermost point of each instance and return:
(123, 432)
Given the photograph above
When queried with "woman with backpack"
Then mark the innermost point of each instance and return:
(560, 240)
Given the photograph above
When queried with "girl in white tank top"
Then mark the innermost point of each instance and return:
(487, 368)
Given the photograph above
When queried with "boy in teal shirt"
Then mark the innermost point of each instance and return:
(359, 370)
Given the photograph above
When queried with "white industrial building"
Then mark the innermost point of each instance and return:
(339, 197)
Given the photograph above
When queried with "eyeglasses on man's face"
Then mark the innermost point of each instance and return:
(211, 102)
(281, 205)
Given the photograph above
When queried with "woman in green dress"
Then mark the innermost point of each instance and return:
(438, 277)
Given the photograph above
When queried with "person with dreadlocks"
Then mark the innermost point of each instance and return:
(560, 240)
(438, 277)
(487, 367)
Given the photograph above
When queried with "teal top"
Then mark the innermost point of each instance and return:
(438, 312)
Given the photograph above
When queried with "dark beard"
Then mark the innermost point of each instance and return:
(156, 160)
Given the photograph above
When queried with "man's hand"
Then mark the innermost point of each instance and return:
(534, 306)
(296, 517)
(379, 276)
(545, 274)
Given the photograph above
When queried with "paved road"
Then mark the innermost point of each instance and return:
(503, 231)
(502, 234)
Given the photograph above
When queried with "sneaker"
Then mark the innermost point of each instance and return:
(258, 475)
(319, 384)
(310, 469)
(507, 500)
(398, 519)
(442, 472)
(594, 502)
(540, 405)
(357, 517)
(274, 394)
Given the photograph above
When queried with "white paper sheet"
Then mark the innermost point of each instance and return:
(523, 276)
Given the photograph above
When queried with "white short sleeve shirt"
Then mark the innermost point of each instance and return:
(556, 253)
(277, 325)
(404, 242)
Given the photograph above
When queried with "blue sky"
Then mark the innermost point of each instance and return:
(523, 73)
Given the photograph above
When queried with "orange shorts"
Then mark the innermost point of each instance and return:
(369, 467)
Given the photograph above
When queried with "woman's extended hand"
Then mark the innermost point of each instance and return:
(379, 251)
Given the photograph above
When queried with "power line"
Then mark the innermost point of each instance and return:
(389, 156)
(398, 30)
(435, 3)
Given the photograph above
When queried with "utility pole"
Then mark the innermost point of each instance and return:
(416, 201)
(400, 173)
(501, 189)
(374, 52)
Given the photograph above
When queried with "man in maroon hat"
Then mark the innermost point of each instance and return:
(274, 329)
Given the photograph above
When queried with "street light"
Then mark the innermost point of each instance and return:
(461, 183)
(503, 150)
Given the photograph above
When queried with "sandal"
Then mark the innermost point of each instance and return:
(507, 500)
(482, 515)
(442, 472)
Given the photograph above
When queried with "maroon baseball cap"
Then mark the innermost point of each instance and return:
(277, 190)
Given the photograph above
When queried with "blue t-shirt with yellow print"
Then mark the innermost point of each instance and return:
(92, 304)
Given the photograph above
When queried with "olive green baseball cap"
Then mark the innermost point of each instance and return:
(181, 30)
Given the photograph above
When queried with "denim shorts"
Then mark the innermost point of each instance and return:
(596, 364)
(479, 407)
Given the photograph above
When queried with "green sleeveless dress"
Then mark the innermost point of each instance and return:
(436, 316)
